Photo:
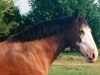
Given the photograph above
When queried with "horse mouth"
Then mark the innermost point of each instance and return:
(91, 60)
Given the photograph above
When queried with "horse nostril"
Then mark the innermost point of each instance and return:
(90, 59)
(93, 55)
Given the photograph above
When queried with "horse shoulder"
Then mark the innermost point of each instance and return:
(17, 60)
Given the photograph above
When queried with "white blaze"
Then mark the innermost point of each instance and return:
(88, 46)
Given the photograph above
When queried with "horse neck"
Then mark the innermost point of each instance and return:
(51, 46)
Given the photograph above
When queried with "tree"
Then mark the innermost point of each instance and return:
(9, 18)
(47, 9)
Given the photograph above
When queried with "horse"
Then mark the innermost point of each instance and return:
(33, 50)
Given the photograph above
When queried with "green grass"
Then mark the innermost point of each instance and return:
(74, 64)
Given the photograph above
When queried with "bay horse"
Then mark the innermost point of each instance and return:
(32, 51)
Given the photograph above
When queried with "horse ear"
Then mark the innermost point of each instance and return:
(87, 14)
(76, 15)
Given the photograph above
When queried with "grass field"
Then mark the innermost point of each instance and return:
(74, 64)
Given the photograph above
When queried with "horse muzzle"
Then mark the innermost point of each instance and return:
(92, 58)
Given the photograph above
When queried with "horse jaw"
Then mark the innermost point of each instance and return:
(87, 46)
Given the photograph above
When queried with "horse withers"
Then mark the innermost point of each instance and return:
(32, 51)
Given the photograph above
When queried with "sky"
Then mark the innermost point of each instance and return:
(96, 1)
(24, 6)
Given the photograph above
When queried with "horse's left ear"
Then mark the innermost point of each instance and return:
(76, 15)
(87, 14)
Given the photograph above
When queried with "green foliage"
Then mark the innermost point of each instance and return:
(43, 10)
(48, 9)
(9, 18)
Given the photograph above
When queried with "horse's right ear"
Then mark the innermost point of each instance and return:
(76, 15)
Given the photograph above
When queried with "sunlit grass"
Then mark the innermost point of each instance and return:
(74, 64)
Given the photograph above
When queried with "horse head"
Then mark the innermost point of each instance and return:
(80, 37)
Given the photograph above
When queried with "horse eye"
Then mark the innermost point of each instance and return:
(82, 32)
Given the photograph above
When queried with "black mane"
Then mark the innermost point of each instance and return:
(43, 29)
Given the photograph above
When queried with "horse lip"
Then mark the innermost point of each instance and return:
(91, 61)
